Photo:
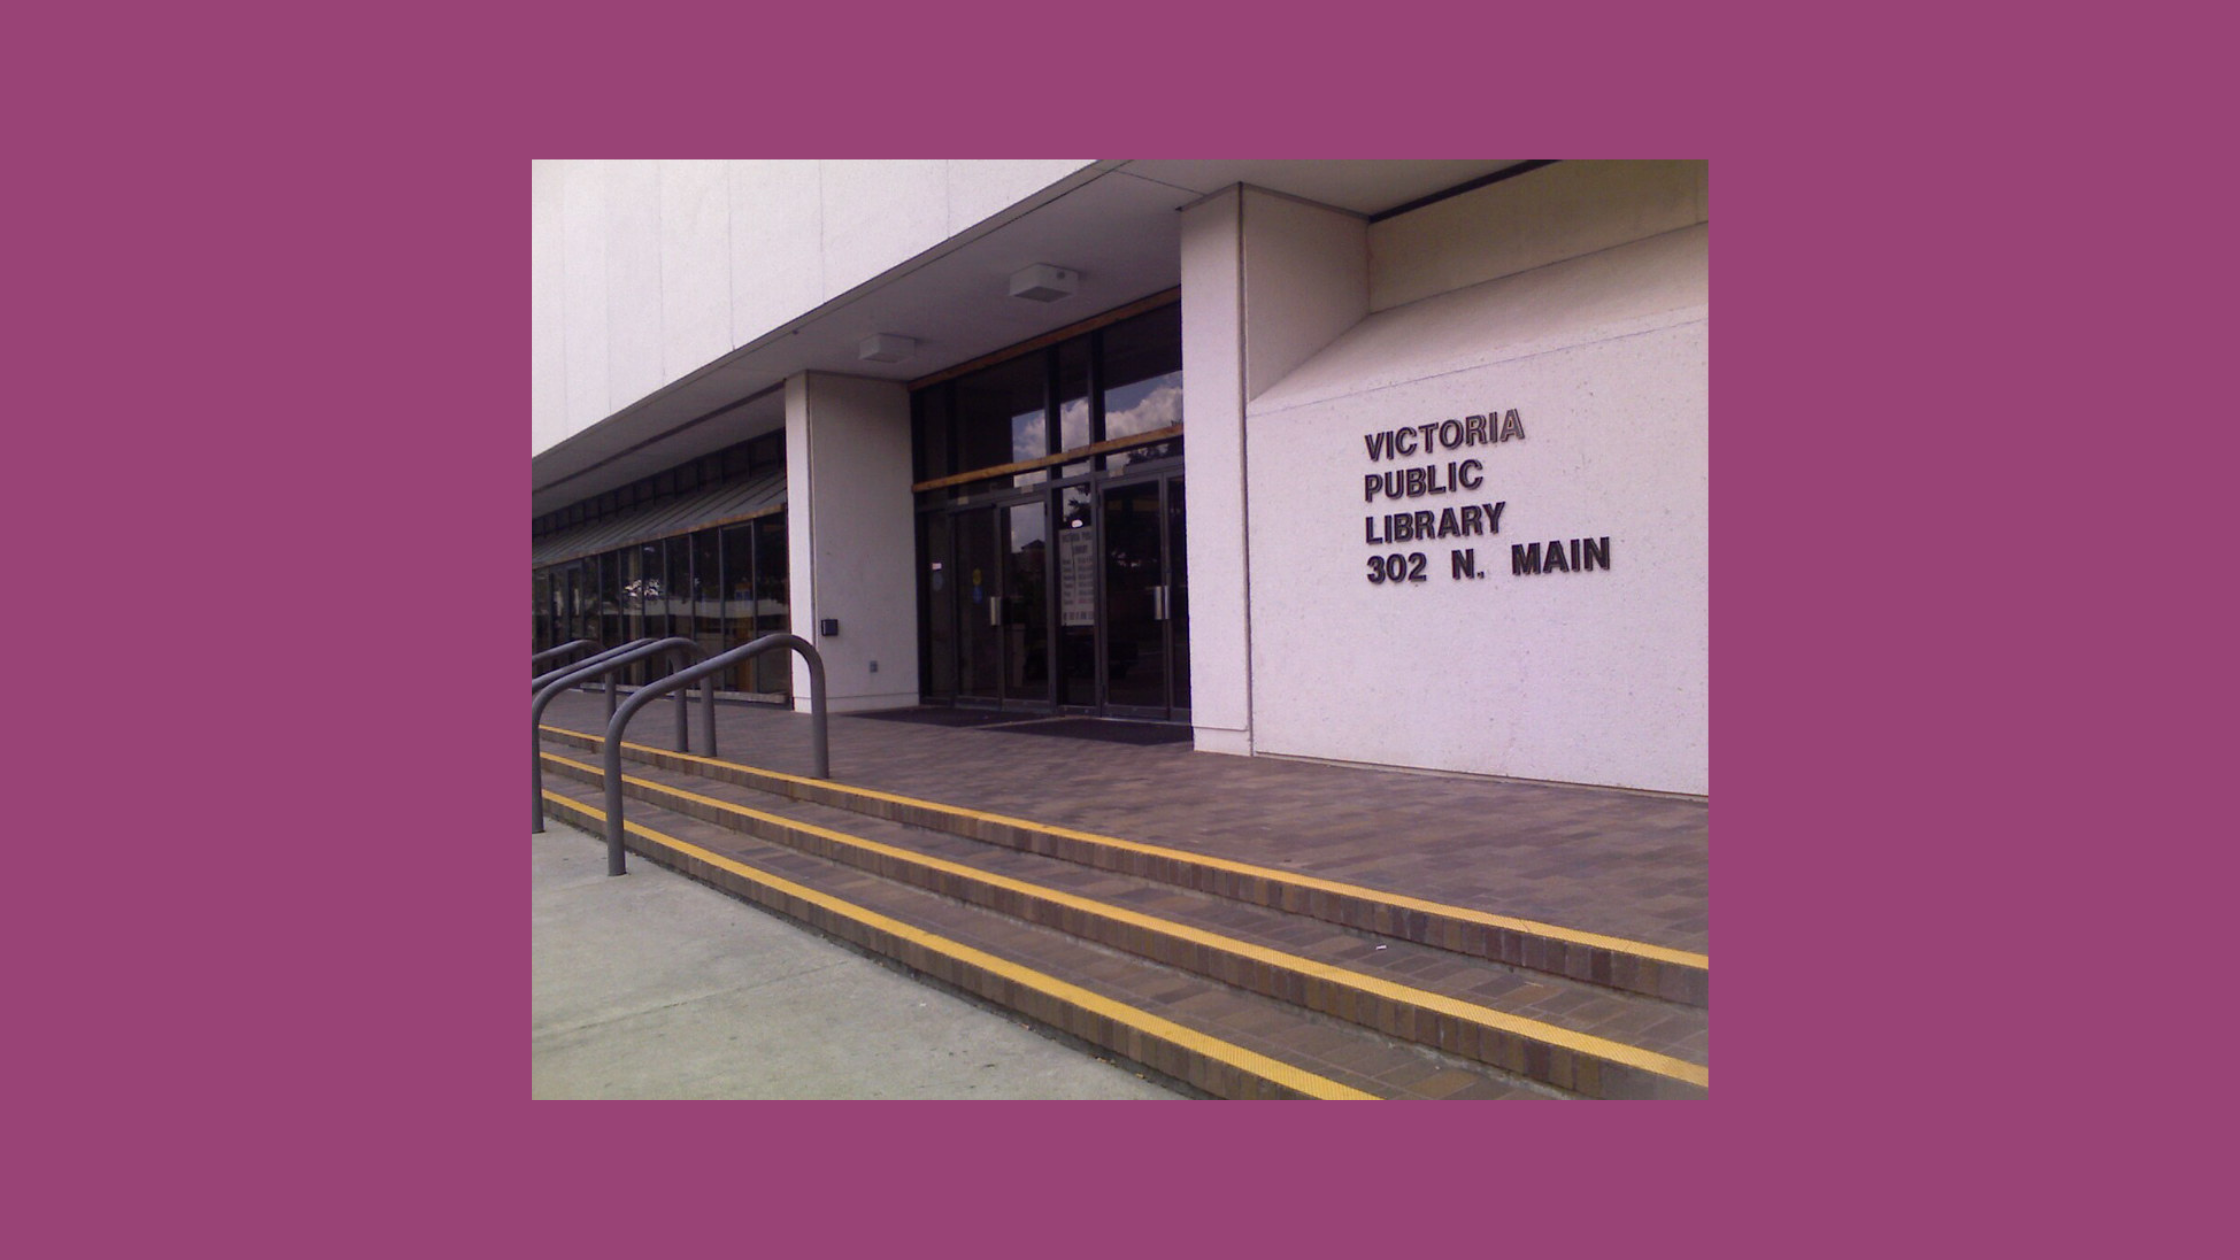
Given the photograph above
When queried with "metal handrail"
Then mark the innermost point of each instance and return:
(611, 761)
(614, 662)
(555, 653)
(608, 655)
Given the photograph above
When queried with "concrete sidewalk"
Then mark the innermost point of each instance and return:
(654, 986)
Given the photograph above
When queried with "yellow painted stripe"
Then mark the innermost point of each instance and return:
(1235, 1056)
(1486, 1016)
(1616, 944)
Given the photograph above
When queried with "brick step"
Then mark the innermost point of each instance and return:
(1605, 961)
(1218, 1039)
(1596, 1041)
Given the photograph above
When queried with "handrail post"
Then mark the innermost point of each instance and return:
(610, 761)
(708, 713)
(817, 710)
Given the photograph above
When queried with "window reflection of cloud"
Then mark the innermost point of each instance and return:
(1027, 440)
(1073, 423)
(1143, 406)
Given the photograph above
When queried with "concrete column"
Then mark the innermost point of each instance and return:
(850, 537)
(1266, 282)
(1213, 410)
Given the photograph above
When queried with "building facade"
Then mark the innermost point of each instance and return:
(1400, 463)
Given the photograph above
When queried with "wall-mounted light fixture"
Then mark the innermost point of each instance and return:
(886, 348)
(1044, 283)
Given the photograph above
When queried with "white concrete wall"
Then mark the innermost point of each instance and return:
(849, 538)
(1590, 677)
(642, 272)
(548, 318)
(1306, 270)
(582, 280)
(695, 228)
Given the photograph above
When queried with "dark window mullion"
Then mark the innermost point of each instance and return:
(1053, 438)
(1096, 387)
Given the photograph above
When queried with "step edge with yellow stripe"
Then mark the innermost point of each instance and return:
(1189, 1040)
(1519, 1026)
(1594, 940)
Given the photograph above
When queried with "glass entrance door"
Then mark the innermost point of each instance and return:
(1026, 602)
(997, 568)
(1146, 600)
(1077, 599)
(979, 618)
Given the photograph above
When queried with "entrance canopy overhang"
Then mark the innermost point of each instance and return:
(1114, 222)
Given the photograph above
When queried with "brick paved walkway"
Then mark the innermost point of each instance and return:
(1621, 863)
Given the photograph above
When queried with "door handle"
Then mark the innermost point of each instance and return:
(1159, 603)
(995, 611)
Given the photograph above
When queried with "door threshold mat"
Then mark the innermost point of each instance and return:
(931, 715)
(1102, 730)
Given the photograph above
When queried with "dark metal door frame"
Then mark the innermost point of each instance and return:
(1167, 709)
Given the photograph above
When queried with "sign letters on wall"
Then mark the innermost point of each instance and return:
(1455, 504)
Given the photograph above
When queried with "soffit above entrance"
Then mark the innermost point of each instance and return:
(1113, 221)
(1365, 188)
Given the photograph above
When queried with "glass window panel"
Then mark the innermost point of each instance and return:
(607, 599)
(1026, 620)
(1073, 395)
(979, 619)
(767, 452)
(933, 449)
(937, 601)
(1075, 418)
(1143, 373)
(1000, 417)
(707, 592)
(1171, 448)
(773, 611)
(676, 586)
(1134, 578)
(639, 578)
(738, 601)
(653, 579)
(1077, 596)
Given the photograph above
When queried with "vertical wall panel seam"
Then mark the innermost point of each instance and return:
(608, 237)
(730, 268)
(1244, 478)
(562, 267)
(661, 275)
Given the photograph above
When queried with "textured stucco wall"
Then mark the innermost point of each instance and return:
(1599, 676)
